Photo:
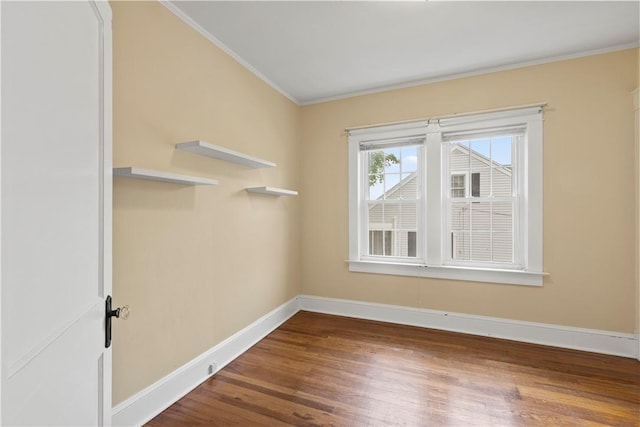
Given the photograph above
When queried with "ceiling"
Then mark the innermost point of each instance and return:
(313, 51)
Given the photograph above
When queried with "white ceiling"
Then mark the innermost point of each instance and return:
(313, 51)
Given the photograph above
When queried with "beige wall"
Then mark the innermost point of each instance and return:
(589, 225)
(196, 264)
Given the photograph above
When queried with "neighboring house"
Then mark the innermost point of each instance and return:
(392, 226)
(481, 230)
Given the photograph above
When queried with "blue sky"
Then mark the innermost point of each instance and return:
(500, 148)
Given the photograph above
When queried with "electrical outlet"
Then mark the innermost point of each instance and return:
(213, 367)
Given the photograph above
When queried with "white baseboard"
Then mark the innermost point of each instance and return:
(605, 342)
(148, 403)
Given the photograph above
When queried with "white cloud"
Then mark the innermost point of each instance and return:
(409, 160)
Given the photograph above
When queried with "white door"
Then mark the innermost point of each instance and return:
(55, 164)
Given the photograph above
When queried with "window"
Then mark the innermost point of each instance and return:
(458, 185)
(475, 184)
(458, 197)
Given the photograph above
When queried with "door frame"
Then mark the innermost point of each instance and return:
(103, 10)
(636, 112)
(2, 359)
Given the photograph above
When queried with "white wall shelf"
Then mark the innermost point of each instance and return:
(152, 175)
(272, 191)
(205, 149)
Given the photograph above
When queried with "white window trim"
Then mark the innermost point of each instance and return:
(358, 206)
(431, 265)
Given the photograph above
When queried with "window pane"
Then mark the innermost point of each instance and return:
(406, 187)
(376, 189)
(378, 162)
(388, 241)
(481, 148)
(398, 160)
(390, 225)
(502, 217)
(487, 164)
(404, 244)
(407, 223)
(391, 160)
(502, 181)
(376, 226)
(375, 242)
(481, 246)
(470, 161)
(460, 214)
(481, 216)
(460, 231)
(459, 157)
(409, 159)
(411, 243)
(482, 231)
(503, 247)
(460, 245)
(380, 242)
(391, 181)
(501, 150)
(407, 218)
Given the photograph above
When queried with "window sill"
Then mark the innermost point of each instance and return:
(510, 277)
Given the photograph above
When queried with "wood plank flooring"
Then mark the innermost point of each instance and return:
(328, 370)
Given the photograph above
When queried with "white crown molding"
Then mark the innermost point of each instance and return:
(478, 72)
(193, 24)
(384, 88)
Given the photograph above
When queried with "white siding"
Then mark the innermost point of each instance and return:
(397, 211)
(471, 221)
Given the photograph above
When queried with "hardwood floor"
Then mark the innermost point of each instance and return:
(327, 370)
